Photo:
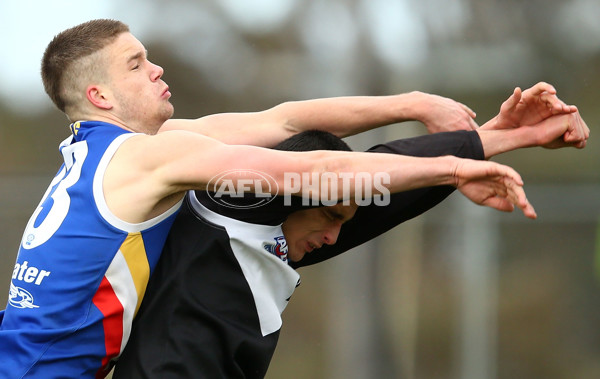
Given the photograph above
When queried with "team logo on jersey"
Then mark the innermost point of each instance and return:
(20, 298)
(278, 249)
(242, 189)
(75, 127)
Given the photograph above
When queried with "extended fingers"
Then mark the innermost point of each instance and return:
(547, 93)
(529, 211)
(556, 105)
(578, 132)
(471, 124)
(510, 174)
(506, 194)
(516, 195)
(514, 192)
(513, 99)
(499, 203)
(468, 110)
(539, 88)
(577, 145)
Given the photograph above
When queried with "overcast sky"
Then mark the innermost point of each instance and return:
(396, 29)
(27, 27)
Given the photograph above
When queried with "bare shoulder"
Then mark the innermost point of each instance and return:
(142, 169)
(158, 169)
(164, 163)
(148, 152)
(199, 125)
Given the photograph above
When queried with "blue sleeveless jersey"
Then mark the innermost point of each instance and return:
(81, 272)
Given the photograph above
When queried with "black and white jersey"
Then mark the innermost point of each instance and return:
(218, 296)
(213, 306)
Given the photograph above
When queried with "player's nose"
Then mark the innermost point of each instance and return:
(331, 235)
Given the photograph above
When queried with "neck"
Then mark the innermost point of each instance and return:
(135, 127)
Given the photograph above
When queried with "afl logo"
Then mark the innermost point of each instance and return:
(242, 189)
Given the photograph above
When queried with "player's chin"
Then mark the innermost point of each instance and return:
(296, 255)
(169, 110)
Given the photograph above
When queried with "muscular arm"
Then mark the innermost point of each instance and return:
(156, 170)
(342, 116)
(345, 116)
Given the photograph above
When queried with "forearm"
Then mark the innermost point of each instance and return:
(335, 174)
(176, 155)
(346, 116)
(404, 172)
(500, 141)
(342, 116)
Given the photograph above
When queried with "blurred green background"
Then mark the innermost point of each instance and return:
(461, 292)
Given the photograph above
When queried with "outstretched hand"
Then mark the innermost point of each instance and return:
(493, 185)
(442, 114)
(567, 130)
(576, 135)
(529, 107)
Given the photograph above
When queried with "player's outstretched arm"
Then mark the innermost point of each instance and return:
(342, 116)
(172, 162)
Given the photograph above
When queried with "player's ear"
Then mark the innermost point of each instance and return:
(96, 95)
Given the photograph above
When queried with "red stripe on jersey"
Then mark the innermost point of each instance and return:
(107, 302)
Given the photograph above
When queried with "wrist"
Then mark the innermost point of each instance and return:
(428, 172)
(492, 124)
(414, 106)
(450, 167)
(500, 141)
(528, 136)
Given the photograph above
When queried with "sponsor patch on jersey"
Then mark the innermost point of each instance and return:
(278, 249)
(20, 298)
